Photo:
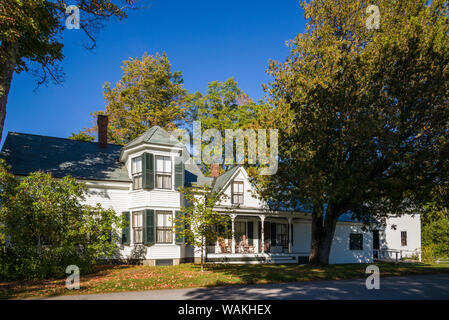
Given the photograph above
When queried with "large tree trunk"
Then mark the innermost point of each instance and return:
(7, 68)
(323, 230)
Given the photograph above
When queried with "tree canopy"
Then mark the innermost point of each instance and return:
(31, 36)
(148, 94)
(226, 107)
(367, 120)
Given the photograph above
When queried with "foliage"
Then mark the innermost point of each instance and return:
(202, 223)
(148, 94)
(435, 225)
(31, 36)
(428, 253)
(437, 207)
(82, 136)
(48, 227)
(435, 235)
(226, 107)
(36, 25)
(367, 125)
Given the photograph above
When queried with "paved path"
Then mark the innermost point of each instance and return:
(409, 287)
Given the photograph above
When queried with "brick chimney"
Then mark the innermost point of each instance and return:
(102, 123)
(214, 170)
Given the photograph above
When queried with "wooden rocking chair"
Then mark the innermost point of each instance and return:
(223, 246)
(246, 247)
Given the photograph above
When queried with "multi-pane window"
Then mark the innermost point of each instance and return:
(136, 170)
(163, 172)
(164, 231)
(403, 238)
(237, 192)
(356, 241)
(137, 226)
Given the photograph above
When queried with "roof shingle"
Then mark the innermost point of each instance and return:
(26, 153)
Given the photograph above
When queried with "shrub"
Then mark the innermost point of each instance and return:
(49, 227)
(435, 236)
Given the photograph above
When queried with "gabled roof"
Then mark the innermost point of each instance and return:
(222, 180)
(155, 135)
(194, 176)
(26, 153)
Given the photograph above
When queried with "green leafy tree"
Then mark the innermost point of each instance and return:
(366, 125)
(226, 106)
(200, 223)
(435, 224)
(31, 36)
(435, 237)
(82, 136)
(48, 227)
(437, 208)
(148, 94)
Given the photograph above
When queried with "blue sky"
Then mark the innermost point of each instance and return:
(205, 40)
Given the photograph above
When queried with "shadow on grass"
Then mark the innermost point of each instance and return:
(50, 287)
(296, 282)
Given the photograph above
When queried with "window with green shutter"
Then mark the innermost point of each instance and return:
(148, 227)
(126, 229)
(179, 228)
(179, 172)
(148, 170)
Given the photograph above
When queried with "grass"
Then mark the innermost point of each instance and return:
(107, 279)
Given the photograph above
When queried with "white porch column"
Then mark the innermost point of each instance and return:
(262, 233)
(289, 234)
(233, 235)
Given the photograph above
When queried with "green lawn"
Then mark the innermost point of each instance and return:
(134, 278)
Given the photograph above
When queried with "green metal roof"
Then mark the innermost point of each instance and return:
(155, 135)
(224, 178)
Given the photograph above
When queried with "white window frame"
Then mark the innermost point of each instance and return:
(164, 228)
(136, 174)
(163, 173)
(137, 226)
(406, 238)
(240, 195)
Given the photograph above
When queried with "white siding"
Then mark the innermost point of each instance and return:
(155, 198)
(156, 251)
(392, 234)
(249, 200)
(340, 252)
(139, 198)
(108, 198)
(168, 199)
(302, 237)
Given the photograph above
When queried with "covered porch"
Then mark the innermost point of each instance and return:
(257, 238)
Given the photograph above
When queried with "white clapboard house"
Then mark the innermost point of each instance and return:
(140, 181)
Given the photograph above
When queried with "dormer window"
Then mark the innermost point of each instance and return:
(163, 172)
(136, 170)
(237, 192)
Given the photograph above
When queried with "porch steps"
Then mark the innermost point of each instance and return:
(281, 259)
(270, 258)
